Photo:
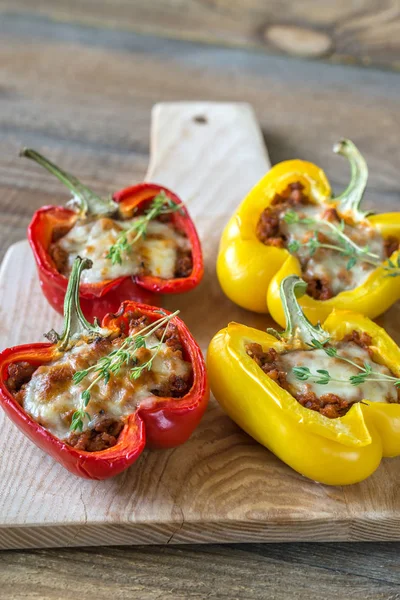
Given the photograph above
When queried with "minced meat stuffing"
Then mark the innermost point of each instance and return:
(324, 398)
(325, 270)
(104, 429)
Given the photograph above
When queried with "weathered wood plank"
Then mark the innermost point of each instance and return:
(51, 98)
(110, 80)
(365, 32)
(243, 572)
(62, 516)
(186, 494)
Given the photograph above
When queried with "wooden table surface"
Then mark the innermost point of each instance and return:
(77, 81)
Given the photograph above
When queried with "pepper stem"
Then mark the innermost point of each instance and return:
(299, 331)
(84, 200)
(350, 199)
(75, 323)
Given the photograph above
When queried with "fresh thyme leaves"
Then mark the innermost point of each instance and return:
(345, 246)
(351, 263)
(393, 268)
(323, 377)
(78, 419)
(317, 344)
(160, 205)
(304, 374)
(291, 217)
(294, 246)
(110, 365)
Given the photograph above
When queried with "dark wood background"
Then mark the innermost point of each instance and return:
(77, 81)
(348, 31)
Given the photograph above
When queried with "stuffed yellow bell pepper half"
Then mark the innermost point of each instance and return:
(290, 224)
(325, 399)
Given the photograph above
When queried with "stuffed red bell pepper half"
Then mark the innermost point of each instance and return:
(95, 395)
(142, 242)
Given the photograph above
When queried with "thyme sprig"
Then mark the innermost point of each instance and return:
(160, 205)
(323, 377)
(111, 365)
(393, 268)
(345, 246)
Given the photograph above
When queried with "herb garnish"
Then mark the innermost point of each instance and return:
(323, 377)
(393, 268)
(348, 203)
(160, 205)
(111, 364)
(345, 246)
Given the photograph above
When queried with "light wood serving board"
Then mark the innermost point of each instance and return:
(220, 486)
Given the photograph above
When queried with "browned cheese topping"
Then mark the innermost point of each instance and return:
(48, 394)
(336, 398)
(325, 270)
(163, 252)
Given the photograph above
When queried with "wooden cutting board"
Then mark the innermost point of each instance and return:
(220, 486)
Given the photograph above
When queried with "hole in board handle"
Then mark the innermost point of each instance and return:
(200, 119)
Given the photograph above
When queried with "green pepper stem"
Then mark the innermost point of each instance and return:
(350, 199)
(84, 199)
(75, 323)
(299, 331)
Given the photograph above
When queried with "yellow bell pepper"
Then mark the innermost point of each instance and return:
(335, 451)
(250, 272)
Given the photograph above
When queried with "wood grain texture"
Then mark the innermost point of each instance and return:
(144, 504)
(240, 572)
(209, 153)
(365, 32)
(221, 485)
(84, 95)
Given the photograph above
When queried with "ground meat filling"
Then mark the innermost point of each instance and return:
(170, 334)
(269, 363)
(318, 287)
(174, 387)
(268, 228)
(391, 245)
(58, 232)
(362, 339)
(18, 376)
(325, 270)
(104, 429)
(56, 252)
(329, 404)
(60, 258)
(183, 264)
(103, 434)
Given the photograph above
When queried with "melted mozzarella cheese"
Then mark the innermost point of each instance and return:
(327, 263)
(51, 397)
(375, 391)
(156, 253)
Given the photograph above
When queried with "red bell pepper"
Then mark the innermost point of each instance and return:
(97, 299)
(159, 422)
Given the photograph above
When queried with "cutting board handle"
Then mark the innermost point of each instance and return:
(211, 154)
(206, 151)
